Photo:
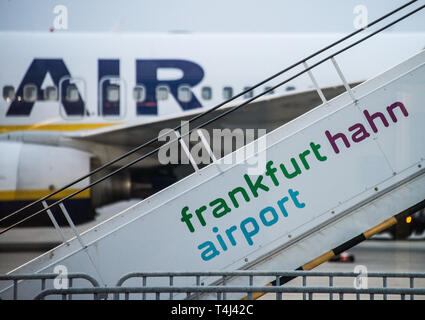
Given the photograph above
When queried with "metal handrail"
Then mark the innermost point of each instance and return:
(247, 273)
(199, 289)
(281, 277)
(43, 277)
(207, 112)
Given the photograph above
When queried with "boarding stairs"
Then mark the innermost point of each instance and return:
(290, 200)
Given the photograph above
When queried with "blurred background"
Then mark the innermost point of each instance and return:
(198, 16)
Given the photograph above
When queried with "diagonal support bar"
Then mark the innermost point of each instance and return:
(187, 151)
(72, 225)
(319, 91)
(55, 223)
(344, 81)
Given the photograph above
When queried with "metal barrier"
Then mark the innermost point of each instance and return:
(220, 288)
(47, 276)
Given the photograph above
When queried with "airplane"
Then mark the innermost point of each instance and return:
(74, 101)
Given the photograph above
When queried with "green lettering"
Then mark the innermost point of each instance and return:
(222, 208)
(315, 148)
(293, 174)
(233, 198)
(257, 185)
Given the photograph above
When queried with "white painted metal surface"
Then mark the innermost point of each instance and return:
(345, 186)
(33, 167)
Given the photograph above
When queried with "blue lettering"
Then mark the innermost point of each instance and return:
(274, 219)
(210, 251)
(36, 74)
(254, 230)
(147, 75)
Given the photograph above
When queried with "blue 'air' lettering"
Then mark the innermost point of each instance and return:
(36, 74)
(147, 75)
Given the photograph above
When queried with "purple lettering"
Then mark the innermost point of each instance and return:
(370, 118)
(391, 108)
(336, 136)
